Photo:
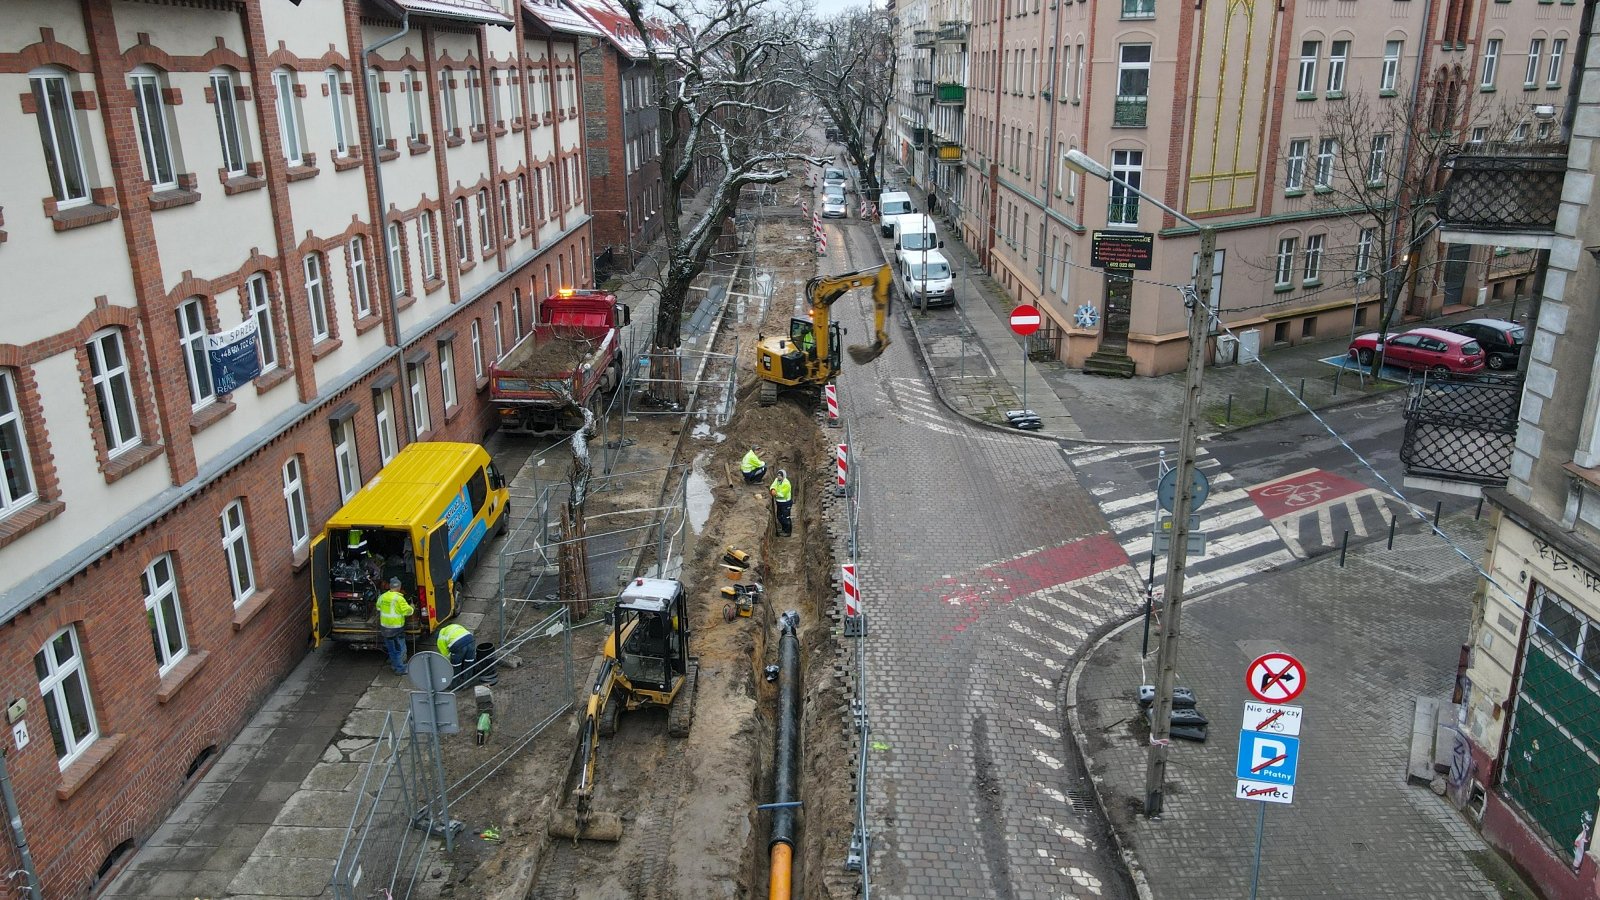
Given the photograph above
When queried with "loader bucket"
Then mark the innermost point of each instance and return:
(591, 826)
(867, 353)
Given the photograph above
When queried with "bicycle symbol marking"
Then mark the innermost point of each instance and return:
(1296, 495)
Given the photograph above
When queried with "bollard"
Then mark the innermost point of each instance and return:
(1266, 399)
(1344, 547)
(1229, 417)
(1302, 390)
(1336, 376)
(1392, 518)
(1479, 513)
(1438, 510)
(842, 455)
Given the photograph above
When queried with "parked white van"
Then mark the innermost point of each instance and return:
(926, 274)
(892, 205)
(914, 233)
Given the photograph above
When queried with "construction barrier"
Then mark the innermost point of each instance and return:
(831, 391)
(822, 244)
(844, 469)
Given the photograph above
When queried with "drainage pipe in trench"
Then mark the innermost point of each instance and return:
(786, 760)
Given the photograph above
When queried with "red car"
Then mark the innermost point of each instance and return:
(1428, 349)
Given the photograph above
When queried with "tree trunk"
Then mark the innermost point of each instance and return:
(573, 563)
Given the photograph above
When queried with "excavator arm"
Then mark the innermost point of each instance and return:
(823, 290)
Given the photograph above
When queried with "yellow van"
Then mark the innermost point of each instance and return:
(425, 518)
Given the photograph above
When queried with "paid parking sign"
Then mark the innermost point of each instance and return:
(1269, 739)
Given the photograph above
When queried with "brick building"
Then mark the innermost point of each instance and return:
(1223, 112)
(198, 167)
(622, 132)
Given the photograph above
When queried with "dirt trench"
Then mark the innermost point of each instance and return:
(691, 830)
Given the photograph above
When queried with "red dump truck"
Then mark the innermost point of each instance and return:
(575, 346)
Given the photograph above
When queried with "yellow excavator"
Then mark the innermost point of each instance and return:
(644, 663)
(808, 357)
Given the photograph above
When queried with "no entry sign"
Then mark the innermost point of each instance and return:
(1025, 320)
(1275, 678)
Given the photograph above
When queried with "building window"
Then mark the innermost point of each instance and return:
(1138, 9)
(1308, 325)
(1133, 85)
(505, 209)
(1391, 65)
(499, 334)
(150, 117)
(1338, 54)
(485, 233)
(1295, 166)
(1127, 166)
(113, 389)
(289, 117)
(1480, 134)
(425, 245)
(447, 375)
(1313, 269)
(414, 118)
(397, 265)
(192, 343)
(1558, 52)
(383, 416)
(236, 547)
(522, 200)
(1535, 50)
(463, 249)
(346, 462)
(255, 288)
(417, 379)
(379, 103)
(58, 132)
(1491, 62)
(494, 97)
(1283, 275)
(341, 120)
(1077, 80)
(294, 501)
(1363, 267)
(16, 487)
(1326, 149)
(1308, 66)
(475, 97)
(229, 133)
(447, 101)
(514, 92)
(316, 297)
(163, 614)
(65, 687)
(1377, 160)
(1519, 133)
(477, 350)
(516, 313)
(359, 289)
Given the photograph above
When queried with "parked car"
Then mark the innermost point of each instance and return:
(1501, 340)
(891, 205)
(927, 276)
(1428, 349)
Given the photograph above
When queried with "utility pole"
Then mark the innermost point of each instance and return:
(1198, 299)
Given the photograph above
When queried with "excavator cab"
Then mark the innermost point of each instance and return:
(808, 356)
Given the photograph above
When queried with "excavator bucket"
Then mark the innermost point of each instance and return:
(865, 353)
(586, 826)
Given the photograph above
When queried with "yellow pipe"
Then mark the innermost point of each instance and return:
(781, 871)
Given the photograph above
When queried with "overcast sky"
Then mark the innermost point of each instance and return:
(826, 8)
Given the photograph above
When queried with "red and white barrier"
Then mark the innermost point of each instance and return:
(852, 592)
(822, 244)
(831, 392)
(843, 457)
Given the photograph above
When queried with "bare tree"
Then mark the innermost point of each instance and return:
(727, 89)
(851, 73)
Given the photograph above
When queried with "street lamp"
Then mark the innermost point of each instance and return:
(1198, 300)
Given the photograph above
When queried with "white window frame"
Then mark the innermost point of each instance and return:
(236, 549)
(17, 485)
(1283, 272)
(475, 97)
(1310, 51)
(1327, 152)
(153, 125)
(288, 117)
(346, 459)
(1530, 76)
(196, 361)
(1491, 63)
(294, 502)
(1364, 244)
(476, 330)
(1390, 74)
(425, 247)
(485, 232)
(1338, 57)
(1377, 157)
(230, 136)
(112, 383)
(360, 284)
(53, 675)
(494, 96)
(341, 123)
(1312, 270)
(1480, 133)
(259, 296)
(516, 314)
(447, 376)
(447, 97)
(1127, 165)
(1558, 54)
(499, 335)
(522, 201)
(58, 135)
(397, 261)
(417, 383)
(383, 420)
(416, 124)
(506, 225)
(379, 104)
(1295, 165)
(164, 612)
(317, 296)
(463, 245)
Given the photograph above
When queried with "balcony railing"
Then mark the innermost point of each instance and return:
(956, 32)
(1123, 212)
(950, 93)
(1130, 111)
(922, 87)
(922, 37)
(949, 153)
(1492, 190)
(919, 137)
(1461, 428)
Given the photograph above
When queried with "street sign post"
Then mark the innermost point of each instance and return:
(1269, 740)
(1025, 320)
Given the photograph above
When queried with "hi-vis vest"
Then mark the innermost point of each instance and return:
(449, 635)
(393, 609)
(781, 490)
(751, 462)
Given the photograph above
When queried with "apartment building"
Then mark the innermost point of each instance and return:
(363, 231)
(622, 132)
(1231, 114)
(912, 92)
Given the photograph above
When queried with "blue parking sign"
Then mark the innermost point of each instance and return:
(1268, 757)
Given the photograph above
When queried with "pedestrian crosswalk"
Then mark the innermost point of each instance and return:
(1240, 541)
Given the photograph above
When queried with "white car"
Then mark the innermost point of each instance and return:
(914, 233)
(926, 276)
(891, 205)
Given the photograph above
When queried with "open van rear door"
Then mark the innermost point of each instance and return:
(321, 591)
(440, 586)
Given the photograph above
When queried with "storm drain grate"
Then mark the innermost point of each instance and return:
(1082, 801)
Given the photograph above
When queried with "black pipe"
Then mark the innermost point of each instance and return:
(786, 756)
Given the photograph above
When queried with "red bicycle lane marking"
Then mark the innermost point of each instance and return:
(1301, 491)
(976, 591)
